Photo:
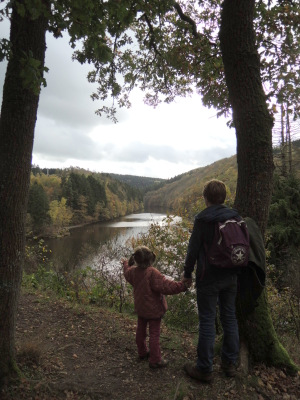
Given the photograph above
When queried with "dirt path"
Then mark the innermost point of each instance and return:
(73, 352)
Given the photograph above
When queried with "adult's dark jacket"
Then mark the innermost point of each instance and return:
(203, 233)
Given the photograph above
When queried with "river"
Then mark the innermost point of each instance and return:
(84, 243)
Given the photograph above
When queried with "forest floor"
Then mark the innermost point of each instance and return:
(74, 352)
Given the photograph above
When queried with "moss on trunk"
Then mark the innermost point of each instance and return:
(258, 331)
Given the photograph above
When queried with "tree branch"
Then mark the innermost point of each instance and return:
(187, 19)
(151, 31)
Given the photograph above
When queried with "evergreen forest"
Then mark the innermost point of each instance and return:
(62, 198)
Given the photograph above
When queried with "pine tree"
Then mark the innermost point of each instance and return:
(38, 206)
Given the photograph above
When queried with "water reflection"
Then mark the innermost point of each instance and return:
(138, 220)
(84, 243)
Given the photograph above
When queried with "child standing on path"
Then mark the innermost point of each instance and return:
(149, 288)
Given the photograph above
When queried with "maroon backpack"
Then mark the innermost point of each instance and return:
(230, 245)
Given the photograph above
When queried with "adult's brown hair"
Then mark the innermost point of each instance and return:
(214, 191)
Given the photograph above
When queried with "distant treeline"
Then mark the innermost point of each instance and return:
(64, 197)
(142, 183)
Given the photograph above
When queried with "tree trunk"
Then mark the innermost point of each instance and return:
(289, 140)
(251, 117)
(17, 123)
(283, 144)
(253, 124)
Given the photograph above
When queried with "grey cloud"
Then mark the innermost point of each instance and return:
(138, 152)
(66, 99)
(55, 143)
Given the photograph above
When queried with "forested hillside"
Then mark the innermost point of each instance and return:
(60, 198)
(184, 192)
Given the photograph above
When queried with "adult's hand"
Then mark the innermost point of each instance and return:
(187, 281)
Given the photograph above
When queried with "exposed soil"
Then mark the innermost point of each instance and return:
(67, 351)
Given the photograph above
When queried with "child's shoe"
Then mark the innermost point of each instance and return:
(161, 364)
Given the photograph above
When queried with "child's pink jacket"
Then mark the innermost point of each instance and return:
(149, 287)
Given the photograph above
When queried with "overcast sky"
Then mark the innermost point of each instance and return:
(162, 142)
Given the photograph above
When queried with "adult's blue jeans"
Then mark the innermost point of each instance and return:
(223, 292)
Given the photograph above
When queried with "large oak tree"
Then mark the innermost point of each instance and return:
(176, 50)
(253, 124)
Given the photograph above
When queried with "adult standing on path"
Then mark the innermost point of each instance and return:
(214, 285)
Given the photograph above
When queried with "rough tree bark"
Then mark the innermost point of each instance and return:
(17, 123)
(253, 124)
